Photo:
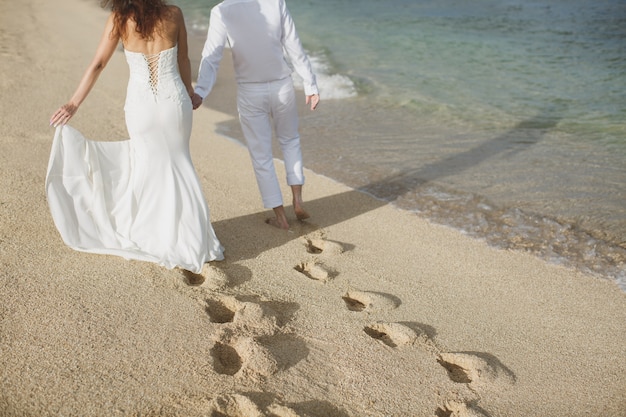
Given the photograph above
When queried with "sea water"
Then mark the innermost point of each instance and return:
(505, 119)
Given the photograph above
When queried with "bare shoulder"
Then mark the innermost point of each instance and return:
(175, 12)
(111, 19)
(173, 21)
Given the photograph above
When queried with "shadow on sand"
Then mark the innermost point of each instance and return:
(338, 208)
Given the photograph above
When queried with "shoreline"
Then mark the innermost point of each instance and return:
(566, 240)
(365, 310)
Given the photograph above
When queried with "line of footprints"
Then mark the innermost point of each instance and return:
(243, 349)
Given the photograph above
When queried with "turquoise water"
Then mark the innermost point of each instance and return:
(502, 118)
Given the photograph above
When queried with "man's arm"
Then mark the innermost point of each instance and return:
(211, 54)
(297, 55)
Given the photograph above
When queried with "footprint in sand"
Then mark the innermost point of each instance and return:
(226, 359)
(245, 358)
(460, 409)
(475, 368)
(211, 278)
(279, 410)
(241, 405)
(234, 405)
(315, 270)
(370, 301)
(319, 245)
(246, 317)
(462, 367)
(237, 351)
(221, 311)
(392, 334)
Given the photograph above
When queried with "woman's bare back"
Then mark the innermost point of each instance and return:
(165, 35)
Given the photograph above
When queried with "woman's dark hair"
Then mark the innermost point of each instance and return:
(145, 13)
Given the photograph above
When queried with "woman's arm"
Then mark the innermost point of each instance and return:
(105, 50)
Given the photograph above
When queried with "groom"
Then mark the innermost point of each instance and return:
(258, 32)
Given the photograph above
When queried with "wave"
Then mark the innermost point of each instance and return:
(331, 85)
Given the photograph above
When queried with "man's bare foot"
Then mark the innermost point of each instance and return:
(273, 221)
(301, 214)
(296, 191)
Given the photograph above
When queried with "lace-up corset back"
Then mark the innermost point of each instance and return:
(154, 76)
(153, 62)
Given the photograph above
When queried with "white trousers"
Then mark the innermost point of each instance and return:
(265, 108)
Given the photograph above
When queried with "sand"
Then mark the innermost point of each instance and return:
(364, 310)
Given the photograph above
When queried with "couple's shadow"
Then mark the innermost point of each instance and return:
(337, 208)
(246, 237)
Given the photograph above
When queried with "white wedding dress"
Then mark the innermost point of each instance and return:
(139, 198)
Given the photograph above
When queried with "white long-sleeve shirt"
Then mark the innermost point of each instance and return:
(259, 33)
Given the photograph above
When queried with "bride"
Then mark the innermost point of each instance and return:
(139, 198)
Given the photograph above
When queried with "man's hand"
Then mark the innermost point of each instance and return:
(196, 101)
(313, 100)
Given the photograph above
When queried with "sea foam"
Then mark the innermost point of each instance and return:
(331, 86)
